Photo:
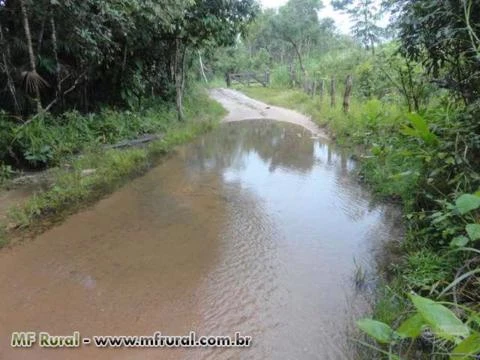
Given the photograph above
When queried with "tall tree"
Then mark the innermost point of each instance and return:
(204, 24)
(365, 15)
(297, 23)
(32, 76)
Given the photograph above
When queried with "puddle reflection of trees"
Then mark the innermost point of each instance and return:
(280, 145)
(283, 146)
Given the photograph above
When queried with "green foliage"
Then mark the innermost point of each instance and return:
(46, 140)
(365, 15)
(412, 327)
(467, 202)
(378, 330)
(86, 54)
(424, 269)
(443, 322)
(288, 37)
(418, 128)
(6, 172)
(445, 37)
(459, 337)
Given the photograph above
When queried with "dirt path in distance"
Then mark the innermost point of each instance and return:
(242, 107)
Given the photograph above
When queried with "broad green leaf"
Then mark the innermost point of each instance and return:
(412, 327)
(473, 231)
(376, 329)
(419, 128)
(459, 241)
(418, 123)
(443, 322)
(467, 203)
(468, 347)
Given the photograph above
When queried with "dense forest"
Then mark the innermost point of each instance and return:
(78, 74)
(63, 56)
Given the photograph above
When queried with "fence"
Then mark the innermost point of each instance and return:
(248, 78)
(318, 86)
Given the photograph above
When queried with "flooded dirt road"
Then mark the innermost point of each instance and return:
(255, 227)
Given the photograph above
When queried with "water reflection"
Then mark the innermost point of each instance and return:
(298, 223)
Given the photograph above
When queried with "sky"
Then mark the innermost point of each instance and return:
(342, 21)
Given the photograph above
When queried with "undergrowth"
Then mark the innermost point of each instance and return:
(46, 140)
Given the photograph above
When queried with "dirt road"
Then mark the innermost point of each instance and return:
(242, 107)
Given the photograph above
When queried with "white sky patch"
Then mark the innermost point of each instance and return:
(342, 20)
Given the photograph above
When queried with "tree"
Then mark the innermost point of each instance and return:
(82, 54)
(364, 14)
(444, 36)
(207, 23)
(297, 23)
(31, 76)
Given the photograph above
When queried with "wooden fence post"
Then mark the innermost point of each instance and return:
(228, 79)
(306, 85)
(322, 89)
(333, 100)
(348, 92)
(314, 90)
(267, 78)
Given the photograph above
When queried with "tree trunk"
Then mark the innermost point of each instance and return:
(58, 87)
(322, 90)
(6, 65)
(202, 68)
(348, 92)
(40, 35)
(179, 79)
(31, 54)
(299, 56)
(333, 100)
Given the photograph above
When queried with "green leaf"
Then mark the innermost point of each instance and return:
(473, 231)
(376, 329)
(418, 123)
(412, 327)
(419, 128)
(444, 323)
(459, 241)
(468, 347)
(467, 203)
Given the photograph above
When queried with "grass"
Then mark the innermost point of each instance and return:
(364, 116)
(110, 169)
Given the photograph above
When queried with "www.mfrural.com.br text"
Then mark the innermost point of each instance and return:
(28, 339)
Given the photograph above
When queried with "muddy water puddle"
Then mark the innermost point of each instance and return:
(255, 227)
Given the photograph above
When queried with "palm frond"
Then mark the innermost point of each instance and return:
(33, 81)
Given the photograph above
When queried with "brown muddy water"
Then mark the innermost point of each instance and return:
(255, 227)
